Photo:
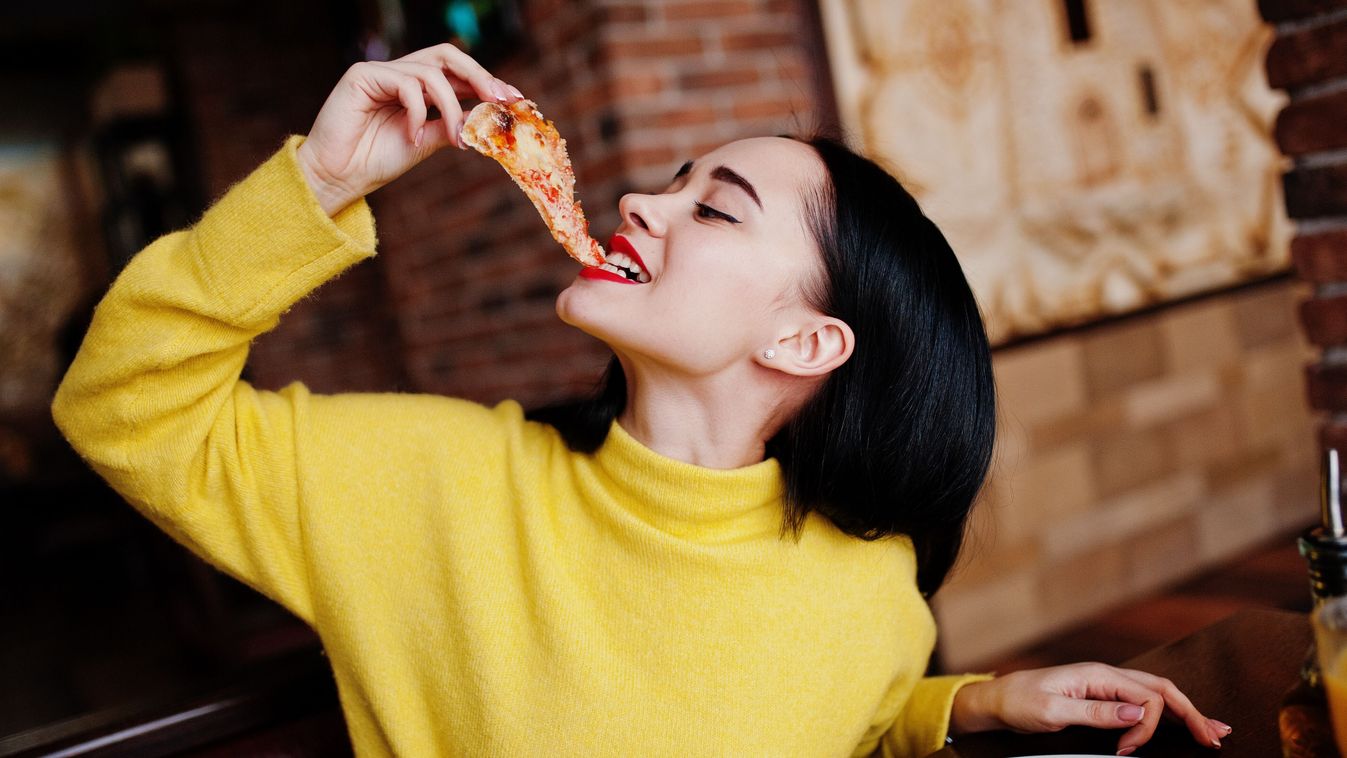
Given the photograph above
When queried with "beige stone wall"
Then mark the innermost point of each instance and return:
(1130, 455)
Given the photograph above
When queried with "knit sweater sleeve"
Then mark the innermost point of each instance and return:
(921, 718)
(153, 400)
(922, 725)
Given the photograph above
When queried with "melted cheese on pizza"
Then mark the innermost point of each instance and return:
(534, 154)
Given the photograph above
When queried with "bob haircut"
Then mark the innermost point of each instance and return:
(897, 440)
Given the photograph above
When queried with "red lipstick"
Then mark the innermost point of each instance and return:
(594, 272)
(619, 244)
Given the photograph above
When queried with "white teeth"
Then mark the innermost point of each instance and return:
(618, 261)
(626, 261)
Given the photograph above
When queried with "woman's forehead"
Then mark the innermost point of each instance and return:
(778, 168)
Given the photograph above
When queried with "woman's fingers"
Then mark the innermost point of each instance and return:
(1141, 731)
(1154, 693)
(1100, 714)
(1205, 730)
(435, 84)
(387, 83)
(1094, 694)
(461, 65)
(1087, 694)
(411, 97)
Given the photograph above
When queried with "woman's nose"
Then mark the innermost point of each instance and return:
(642, 211)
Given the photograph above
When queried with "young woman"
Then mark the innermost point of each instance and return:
(726, 552)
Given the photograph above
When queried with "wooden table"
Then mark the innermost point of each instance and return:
(1236, 670)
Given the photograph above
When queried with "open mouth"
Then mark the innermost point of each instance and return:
(622, 265)
(624, 261)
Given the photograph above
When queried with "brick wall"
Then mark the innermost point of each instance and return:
(460, 300)
(1309, 60)
(636, 88)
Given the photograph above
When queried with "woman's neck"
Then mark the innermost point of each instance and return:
(721, 421)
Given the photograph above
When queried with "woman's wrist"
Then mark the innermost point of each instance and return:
(331, 195)
(974, 709)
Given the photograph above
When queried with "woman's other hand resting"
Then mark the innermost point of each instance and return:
(373, 126)
(1085, 694)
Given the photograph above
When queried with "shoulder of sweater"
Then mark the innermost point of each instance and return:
(434, 412)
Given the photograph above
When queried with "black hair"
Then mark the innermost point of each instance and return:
(898, 439)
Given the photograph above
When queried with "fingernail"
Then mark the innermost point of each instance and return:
(1130, 712)
(1223, 727)
(419, 134)
(502, 94)
(1216, 744)
(516, 92)
(1127, 750)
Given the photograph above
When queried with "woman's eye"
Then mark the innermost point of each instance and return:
(706, 211)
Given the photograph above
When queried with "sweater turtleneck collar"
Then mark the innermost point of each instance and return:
(689, 501)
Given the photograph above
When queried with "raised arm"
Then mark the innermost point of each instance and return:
(153, 400)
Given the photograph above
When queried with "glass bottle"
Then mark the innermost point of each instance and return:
(1303, 719)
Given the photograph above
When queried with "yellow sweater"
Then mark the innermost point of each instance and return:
(481, 590)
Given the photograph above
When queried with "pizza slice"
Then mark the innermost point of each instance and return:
(534, 154)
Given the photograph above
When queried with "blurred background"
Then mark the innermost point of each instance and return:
(1150, 198)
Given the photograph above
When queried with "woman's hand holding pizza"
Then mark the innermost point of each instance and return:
(373, 126)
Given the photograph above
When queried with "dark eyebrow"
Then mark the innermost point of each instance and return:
(724, 174)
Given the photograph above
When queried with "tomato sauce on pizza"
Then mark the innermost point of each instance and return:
(528, 146)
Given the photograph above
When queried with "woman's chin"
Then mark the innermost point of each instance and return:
(576, 310)
(566, 309)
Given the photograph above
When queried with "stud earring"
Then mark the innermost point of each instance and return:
(769, 354)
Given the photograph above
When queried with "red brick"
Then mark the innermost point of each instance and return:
(759, 41)
(1327, 387)
(632, 85)
(624, 14)
(773, 108)
(648, 156)
(1290, 10)
(605, 168)
(1321, 257)
(1319, 123)
(1308, 56)
(662, 47)
(572, 34)
(792, 70)
(705, 146)
(672, 118)
(590, 98)
(1316, 192)
(709, 9)
(717, 79)
(1325, 320)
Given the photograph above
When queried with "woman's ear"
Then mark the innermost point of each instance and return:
(819, 346)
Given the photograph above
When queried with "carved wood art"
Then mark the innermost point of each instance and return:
(1084, 158)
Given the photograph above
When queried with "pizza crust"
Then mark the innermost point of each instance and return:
(528, 146)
